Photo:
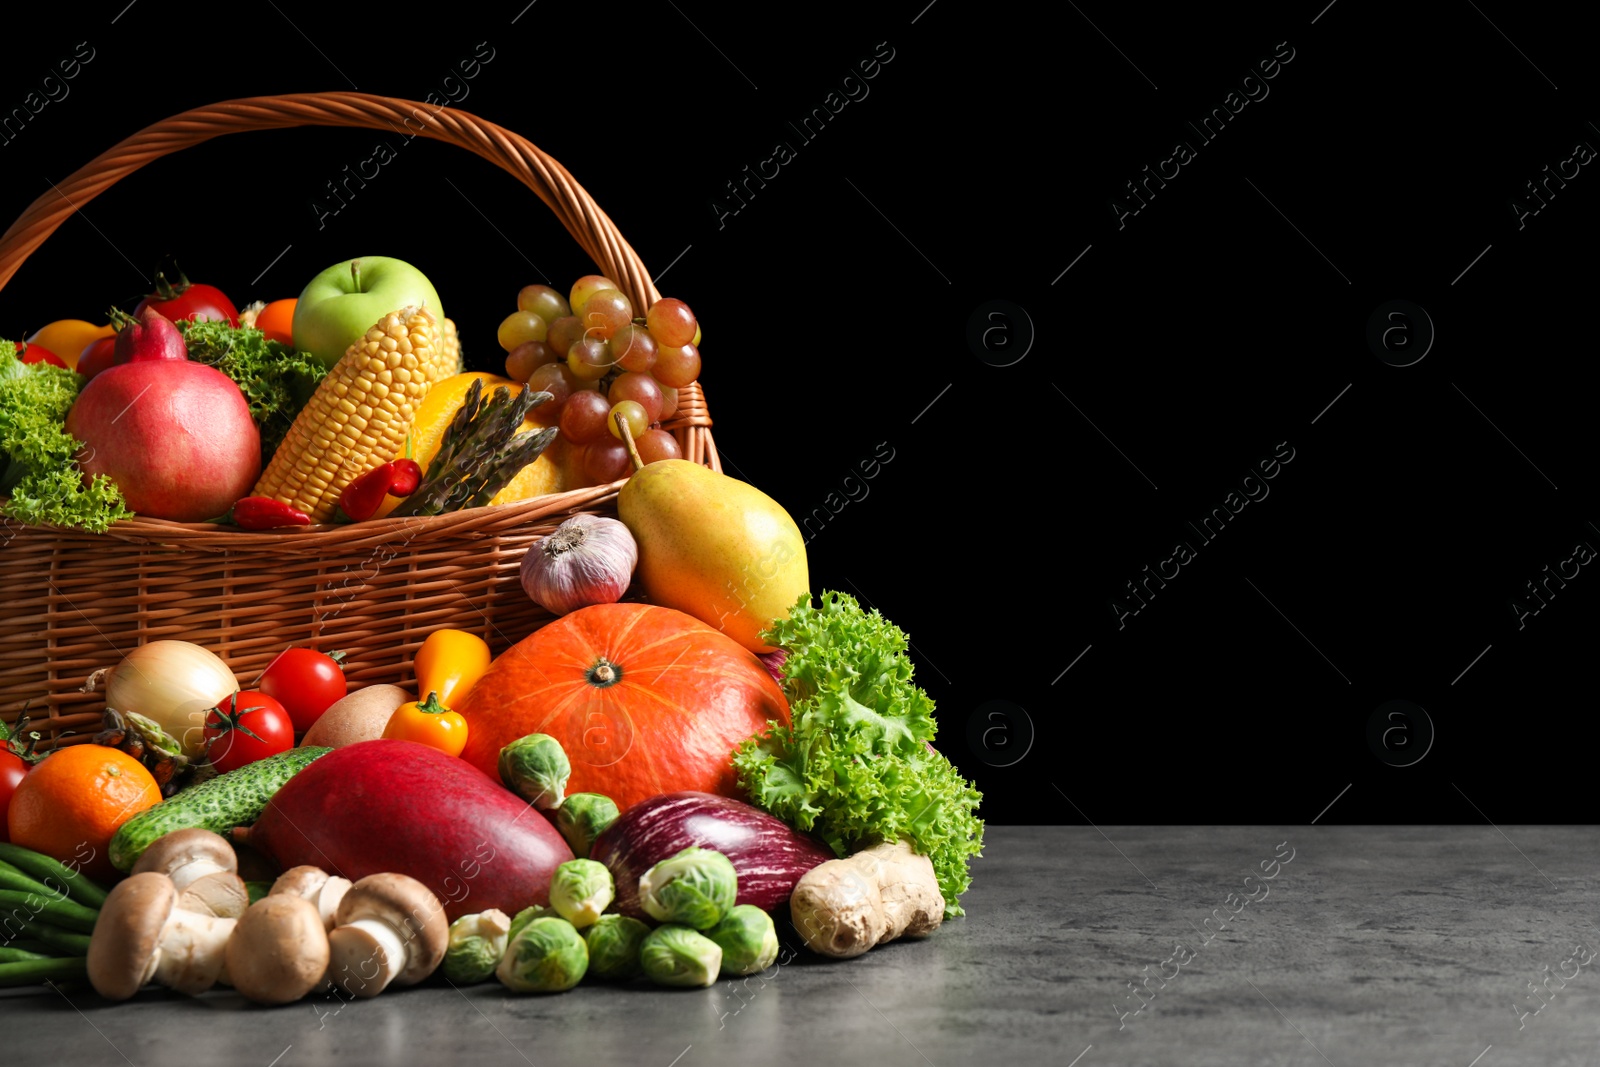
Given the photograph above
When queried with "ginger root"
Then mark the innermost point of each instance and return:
(844, 907)
(912, 903)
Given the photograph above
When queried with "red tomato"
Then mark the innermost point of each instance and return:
(304, 681)
(96, 356)
(35, 354)
(252, 727)
(187, 300)
(13, 769)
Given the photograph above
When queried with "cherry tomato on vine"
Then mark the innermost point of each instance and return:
(96, 356)
(306, 682)
(13, 769)
(67, 337)
(253, 726)
(39, 354)
(189, 300)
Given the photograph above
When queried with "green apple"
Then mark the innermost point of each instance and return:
(342, 303)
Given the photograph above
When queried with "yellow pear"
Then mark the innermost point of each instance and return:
(714, 547)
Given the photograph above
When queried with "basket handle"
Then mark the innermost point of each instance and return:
(549, 180)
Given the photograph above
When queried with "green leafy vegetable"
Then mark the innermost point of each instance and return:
(855, 767)
(276, 381)
(37, 469)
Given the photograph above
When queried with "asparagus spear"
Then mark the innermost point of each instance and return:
(481, 453)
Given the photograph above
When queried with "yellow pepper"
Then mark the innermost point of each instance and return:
(430, 723)
(449, 663)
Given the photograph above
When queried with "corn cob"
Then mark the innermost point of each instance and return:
(359, 416)
(449, 352)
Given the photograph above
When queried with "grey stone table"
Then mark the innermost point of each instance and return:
(1145, 947)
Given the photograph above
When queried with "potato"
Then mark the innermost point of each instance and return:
(360, 716)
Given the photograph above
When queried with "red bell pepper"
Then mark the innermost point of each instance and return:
(362, 497)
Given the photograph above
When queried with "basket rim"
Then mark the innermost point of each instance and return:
(583, 218)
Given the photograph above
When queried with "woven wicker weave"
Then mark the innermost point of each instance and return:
(76, 601)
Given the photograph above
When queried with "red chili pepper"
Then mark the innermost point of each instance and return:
(362, 497)
(265, 513)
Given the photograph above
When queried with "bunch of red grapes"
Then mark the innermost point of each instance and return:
(597, 360)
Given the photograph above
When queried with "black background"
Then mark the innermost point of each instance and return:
(1177, 352)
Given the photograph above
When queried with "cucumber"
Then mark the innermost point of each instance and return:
(228, 800)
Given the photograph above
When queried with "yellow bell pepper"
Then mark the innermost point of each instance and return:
(430, 723)
(449, 663)
(68, 338)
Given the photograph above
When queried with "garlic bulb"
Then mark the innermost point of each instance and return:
(587, 560)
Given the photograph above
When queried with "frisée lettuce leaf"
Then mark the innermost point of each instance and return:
(40, 483)
(856, 767)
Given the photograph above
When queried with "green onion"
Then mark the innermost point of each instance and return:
(35, 908)
(61, 941)
(33, 972)
(17, 955)
(42, 868)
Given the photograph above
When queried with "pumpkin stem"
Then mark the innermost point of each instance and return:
(603, 674)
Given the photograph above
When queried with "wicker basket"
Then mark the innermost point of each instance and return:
(76, 601)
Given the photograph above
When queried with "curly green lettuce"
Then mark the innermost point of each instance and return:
(855, 767)
(40, 483)
(276, 380)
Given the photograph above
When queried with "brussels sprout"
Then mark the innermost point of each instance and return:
(580, 890)
(526, 916)
(614, 942)
(677, 955)
(696, 887)
(547, 956)
(583, 817)
(476, 944)
(748, 939)
(536, 769)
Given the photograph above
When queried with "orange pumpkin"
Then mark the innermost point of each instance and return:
(644, 699)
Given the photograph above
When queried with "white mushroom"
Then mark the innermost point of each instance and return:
(390, 930)
(316, 885)
(222, 894)
(143, 935)
(279, 951)
(202, 865)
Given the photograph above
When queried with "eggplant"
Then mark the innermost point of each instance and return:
(768, 855)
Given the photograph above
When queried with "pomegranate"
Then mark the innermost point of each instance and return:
(150, 336)
(175, 436)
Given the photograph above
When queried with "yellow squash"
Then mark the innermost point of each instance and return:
(547, 474)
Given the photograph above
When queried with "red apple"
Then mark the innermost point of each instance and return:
(175, 436)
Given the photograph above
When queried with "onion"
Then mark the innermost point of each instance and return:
(173, 682)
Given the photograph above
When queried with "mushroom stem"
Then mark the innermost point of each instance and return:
(365, 956)
(190, 957)
(316, 885)
(327, 898)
